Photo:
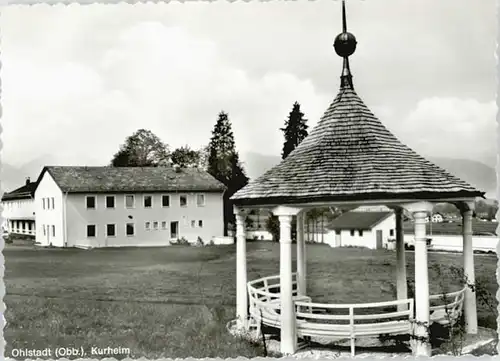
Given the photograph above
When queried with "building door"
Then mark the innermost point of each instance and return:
(174, 230)
(379, 239)
(338, 238)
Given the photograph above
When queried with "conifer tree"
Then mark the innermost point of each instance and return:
(295, 130)
(224, 164)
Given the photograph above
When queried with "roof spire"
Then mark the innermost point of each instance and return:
(344, 21)
(345, 45)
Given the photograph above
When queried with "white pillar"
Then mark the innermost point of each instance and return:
(304, 254)
(241, 271)
(288, 343)
(422, 343)
(301, 257)
(402, 291)
(470, 311)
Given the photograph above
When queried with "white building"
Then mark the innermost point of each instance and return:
(116, 207)
(19, 210)
(447, 236)
(435, 218)
(357, 228)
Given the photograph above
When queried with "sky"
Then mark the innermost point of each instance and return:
(77, 80)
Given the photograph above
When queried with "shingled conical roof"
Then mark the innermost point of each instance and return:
(351, 155)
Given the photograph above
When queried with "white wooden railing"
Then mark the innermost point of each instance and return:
(354, 320)
(446, 309)
(344, 320)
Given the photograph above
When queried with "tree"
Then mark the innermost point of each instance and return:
(221, 149)
(142, 149)
(224, 164)
(273, 227)
(204, 153)
(295, 130)
(122, 159)
(492, 212)
(186, 157)
(249, 223)
(320, 214)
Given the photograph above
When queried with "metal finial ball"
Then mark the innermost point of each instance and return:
(345, 44)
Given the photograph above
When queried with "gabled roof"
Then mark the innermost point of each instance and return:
(83, 179)
(479, 228)
(25, 192)
(358, 220)
(351, 155)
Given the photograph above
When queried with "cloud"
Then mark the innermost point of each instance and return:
(184, 82)
(80, 79)
(452, 127)
(150, 76)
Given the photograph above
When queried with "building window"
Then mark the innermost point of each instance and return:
(148, 201)
(147, 225)
(130, 229)
(53, 230)
(165, 201)
(110, 201)
(360, 231)
(193, 224)
(111, 230)
(155, 225)
(53, 202)
(183, 201)
(200, 224)
(200, 200)
(44, 231)
(391, 232)
(43, 203)
(129, 201)
(163, 225)
(352, 232)
(91, 230)
(90, 202)
(337, 232)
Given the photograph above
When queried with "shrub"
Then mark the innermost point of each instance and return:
(9, 239)
(354, 247)
(180, 242)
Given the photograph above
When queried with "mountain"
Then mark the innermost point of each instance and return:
(13, 177)
(256, 164)
(476, 173)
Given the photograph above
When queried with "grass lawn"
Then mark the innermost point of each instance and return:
(175, 301)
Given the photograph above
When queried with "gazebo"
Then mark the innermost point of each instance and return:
(348, 160)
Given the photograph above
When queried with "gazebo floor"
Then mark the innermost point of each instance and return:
(372, 346)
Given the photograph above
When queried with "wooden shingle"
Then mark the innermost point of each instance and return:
(351, 155)
(131, 179)
(25, 192)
